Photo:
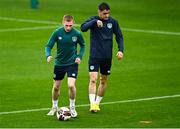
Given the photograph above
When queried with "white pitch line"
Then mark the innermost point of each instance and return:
(152, 31)
(27, 28)
(33, 21)
(105, 103)
(28, 20)
(78, 25)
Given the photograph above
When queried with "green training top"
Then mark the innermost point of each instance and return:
(66, 46)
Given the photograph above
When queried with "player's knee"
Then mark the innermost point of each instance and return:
(71, 84)
(93, 80)
(56, 88)
(103, 81)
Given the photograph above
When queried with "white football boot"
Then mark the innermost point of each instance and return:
(73, 112)
(52, 111)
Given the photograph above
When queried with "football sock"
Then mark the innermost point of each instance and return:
(72, 103)
(55, 103)
(98, 99)
(92, 98)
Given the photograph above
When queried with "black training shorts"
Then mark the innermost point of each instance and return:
(60, 71)
(103, 64)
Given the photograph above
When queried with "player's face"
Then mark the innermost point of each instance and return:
(104, 14)
(68, 25)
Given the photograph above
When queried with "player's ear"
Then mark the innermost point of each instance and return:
(99, 12)
(73, 21)
(62, 22)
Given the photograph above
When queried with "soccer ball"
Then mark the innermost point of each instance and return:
(63, 114)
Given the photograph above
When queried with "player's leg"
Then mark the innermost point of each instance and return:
(92, 86)
(101, 90)
(55, 92)
(72, 95)
(71, 88)
(72, 74)
(93, 76)
(92, 89)
(55, 95)
(58, 76)
(105, 67)
(102, 85)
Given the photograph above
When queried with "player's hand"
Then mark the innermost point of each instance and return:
(99, 23)
(78, 60)
(119, 55)
(49, 59)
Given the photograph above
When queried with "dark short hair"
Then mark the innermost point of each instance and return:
(103, 6)
(68, 18)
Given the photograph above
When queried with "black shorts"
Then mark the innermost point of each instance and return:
(60, 71)
(103, 64)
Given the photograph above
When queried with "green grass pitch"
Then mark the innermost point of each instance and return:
(150, 67)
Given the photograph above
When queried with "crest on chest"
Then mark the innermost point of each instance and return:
(74, 38)
(109, 25)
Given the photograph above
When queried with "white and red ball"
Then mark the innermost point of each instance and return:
(63, 114)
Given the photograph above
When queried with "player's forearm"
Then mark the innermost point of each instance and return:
(119, 39)
(82, 50)
(49, 46)
(87, 25)
(47, 51)
(120, 42)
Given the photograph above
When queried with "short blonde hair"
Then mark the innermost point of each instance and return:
(68, 18)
